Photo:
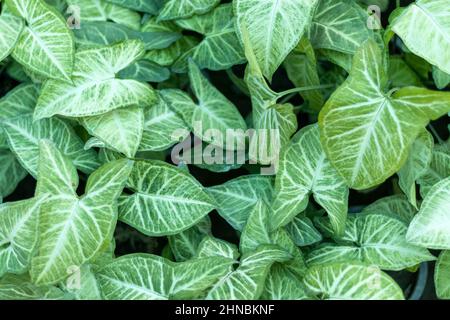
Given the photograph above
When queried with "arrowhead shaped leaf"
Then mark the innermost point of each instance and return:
(46, 44)
(425, 30)
(94, 76)
(148, 6)
(366, 132)
(10, 29)
(177, 9)
(165, 200)
(274, 28)
(351, 282)
(73, 229)
(304, 169)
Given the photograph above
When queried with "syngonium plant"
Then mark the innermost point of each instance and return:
(94, 90)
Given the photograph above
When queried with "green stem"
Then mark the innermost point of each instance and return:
(398, 4)
(436, 134)
(288, 97)
(238, 82)
(303, 89)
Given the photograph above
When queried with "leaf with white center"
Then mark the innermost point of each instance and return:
(178, 9)
(184, 245)
(220, 48)
(339, 25)
(13, 287)
(145, 71)
(236, 198)
(301, 67)
(148, 6)
(210, 247)
(343, 281)
(24, 134)
(380, 241)
(95, 89)
(165, 200)
(442, 275)
(72, 229)
(214, 111)
(416, 165)
(247, 281)
(46, 44)
(283, 285)
(256, 230)
(107, 33)
(424, 27)
(160, 123)
(305, 169)
(430, 228)
(120, 129)
(303, 232)
(367, 132)
(274, 27)
(100, 10)
(397, 205)
(441, 79)
(11, 173)
(150, 277)
(19, 222)
(10, 30)
(438, 170)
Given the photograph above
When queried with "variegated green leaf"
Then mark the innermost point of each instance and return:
(430, 228)
(368, 132)
(416, 165)
(46, 44)
(11, 173)
(24, 134)
(149, 277)
(145, 71)
(247, 281)
(438, 170)
(210, 247)
(14, 287)
(236, 198)
(256, 230)
(442, 275)
(218, 29)
(424, 28)
(95, 89)
(148, 6)
(274, 28)
(10, 30)
(351, 282)
(339, 25)
(19, 230)
(398, 205)
(305, 169)
(72, 229)
(380, 241)
(120, 129)
(165, 200)
(177, 9)
(283, 285)
(303, 232)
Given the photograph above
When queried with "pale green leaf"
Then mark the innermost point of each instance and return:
(438, 170)
(305, 169)
(165, 200)
(72, 229)
(95, 89)
(19, 222)
(441, 79)
(424, 27)
(351, 282)
(220, 48)
(274, 28)
(120, 129)
(167, 56)
(442, 275)
(368, 132)
(46, 43)
(397, 205)
(256, 230)
(416, 165)
(283, 285)
(24, 135)
(430, 228)
(236, 198)
(210, 247)
(14, 287)
(380, 241)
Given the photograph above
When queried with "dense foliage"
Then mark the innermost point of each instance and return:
(336, 183)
